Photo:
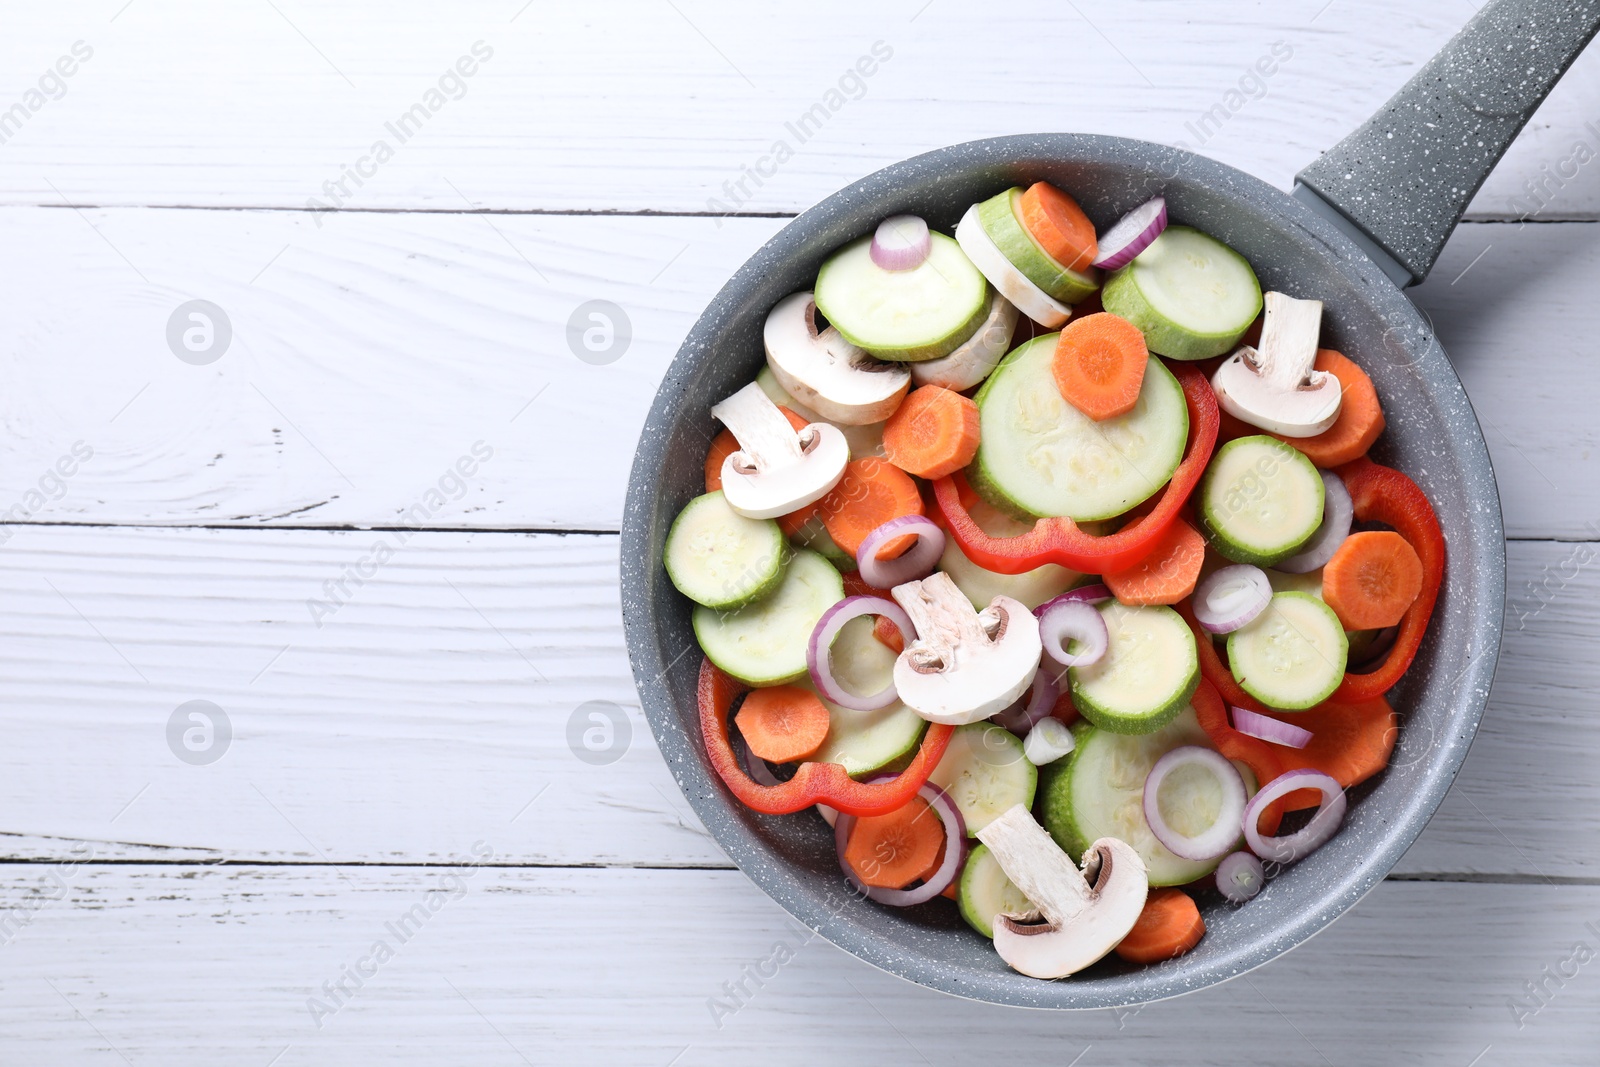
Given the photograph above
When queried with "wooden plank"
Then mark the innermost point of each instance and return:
(655, 106)
(527, 965)
(371, 354)
(434, 705)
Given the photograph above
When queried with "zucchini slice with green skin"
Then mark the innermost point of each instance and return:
(1260, 500)
(764, 642)
(986, 773)
(1039, 455)
(902, 315)
(1148, 673)
(866, 741)
(719, 558)
(1293, 655)
(984, 891)
(1100, 794)
(1191, 295)
(1002, 221)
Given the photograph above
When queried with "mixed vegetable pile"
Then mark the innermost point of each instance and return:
(1117, 600)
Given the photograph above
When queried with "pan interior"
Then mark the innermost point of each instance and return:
(1432, 435)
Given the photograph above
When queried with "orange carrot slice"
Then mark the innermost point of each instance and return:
(1167, 574)
(1360, 418)
(782, 723)
(892, 851)
(934, 432)
(1169, 926)
(1055, 220)
(1372, 579)
(872, 492)
(1349, 743)
(1099, 365)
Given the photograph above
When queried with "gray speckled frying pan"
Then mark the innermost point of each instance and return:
(1365, 219)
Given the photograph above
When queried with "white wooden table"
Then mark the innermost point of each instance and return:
(395, 765)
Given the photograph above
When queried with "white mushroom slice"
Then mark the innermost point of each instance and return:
(1086, 913)
(978, 354)
(992, 263)
(965, 665)
(825, 372)
(777, 468)
(1273, 386)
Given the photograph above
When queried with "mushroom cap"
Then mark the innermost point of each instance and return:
(977, 356)
(964, 665)
(1301, 410)
(1115, 898)
(825, 372)
(769, 492)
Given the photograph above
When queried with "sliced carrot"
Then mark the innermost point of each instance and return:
(891, 851)
(782, 723)
(1099, 365)
(725, 445)
(1349, 743)
(1169, 926)
(1372, 579)
(1360, 418)
(872, 492)
(1167, 574)
(1055, 220)
(934, 432)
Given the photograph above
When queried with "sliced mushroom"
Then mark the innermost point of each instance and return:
(978, 354)
(1273, 386)
(777, 468)
(965, 665)
(825, 372)
(1086, 913)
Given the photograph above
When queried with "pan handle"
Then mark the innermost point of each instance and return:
(1402, 180)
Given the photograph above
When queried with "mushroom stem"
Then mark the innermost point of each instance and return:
(1289, 342)
(942, 614)
(1037, 866)
(766, 440)
(777, 469)
(964, 665)
(1274, 387)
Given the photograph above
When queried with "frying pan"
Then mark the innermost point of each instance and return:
(1366, 219)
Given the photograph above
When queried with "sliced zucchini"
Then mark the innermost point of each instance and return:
(1001, 218)
(1260, 500)
(1100, 793)
(984, 891)
(1148, 673)
(1293, 655)
(1039, 455)
(764, 642)
(923, 313)
(1192, 295)
(986, 773)
(719, 558)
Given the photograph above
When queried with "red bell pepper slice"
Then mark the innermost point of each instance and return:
(813, 783)
(1059, 539)
(1383, 494)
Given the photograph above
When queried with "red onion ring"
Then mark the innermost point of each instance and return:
(1061, 622)
(955, 852)
(822, 636)
(1132, 234)
(1231, 598)
(1267, 728)
(756, 767)
(1338, 512)
(901, 242)
(1089, 594)
(1222, 834)
(918, 561)
(1329, 815)
(1240, 876)
(1020, 717)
